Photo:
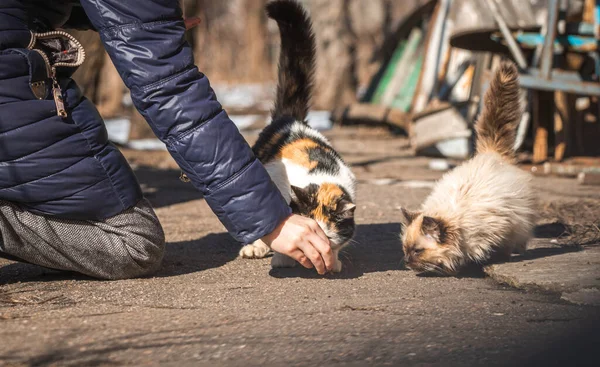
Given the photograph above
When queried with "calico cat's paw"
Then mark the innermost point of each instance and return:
(282, 261)
(337, 266)
(256, 250)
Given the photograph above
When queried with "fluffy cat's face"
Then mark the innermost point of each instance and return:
(330, 206)
(429, 245)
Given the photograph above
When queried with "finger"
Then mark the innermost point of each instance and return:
(301, 258)
(313, 255)
(319, 231)
(191, 22)
(324, 249)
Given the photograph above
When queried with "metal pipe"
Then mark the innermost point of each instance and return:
(568, 82)
(512, 44)
(548, 52)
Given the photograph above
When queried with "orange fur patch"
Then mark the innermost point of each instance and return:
(297, 152)
(327, 197)
(329, 194)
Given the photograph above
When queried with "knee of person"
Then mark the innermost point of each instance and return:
(143, 254)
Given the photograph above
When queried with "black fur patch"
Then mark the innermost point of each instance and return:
(265, 149)
(326, 159)
(296, 60)
(346, 228)
(296, 69)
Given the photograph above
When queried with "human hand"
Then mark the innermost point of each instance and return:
(303, 240)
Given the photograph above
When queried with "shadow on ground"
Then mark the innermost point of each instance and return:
(375, 248)
(577, 347)
(164, 188)
(98, 354)
(211, 251)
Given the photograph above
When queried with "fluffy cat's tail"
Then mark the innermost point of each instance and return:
(296, 60)
(502, 112)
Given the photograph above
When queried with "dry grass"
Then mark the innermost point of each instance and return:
(581, 221)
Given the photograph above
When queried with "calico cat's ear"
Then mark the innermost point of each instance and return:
(346, 208)
(407, 217)
(302, 195)
(434, 228)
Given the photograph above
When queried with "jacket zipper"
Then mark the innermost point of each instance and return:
(51, 69)
(56, 91)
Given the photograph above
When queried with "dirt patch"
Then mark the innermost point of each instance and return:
(572, 223)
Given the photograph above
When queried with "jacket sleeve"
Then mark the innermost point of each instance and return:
(145, 40)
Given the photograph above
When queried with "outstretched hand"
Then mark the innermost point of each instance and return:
(303, 240)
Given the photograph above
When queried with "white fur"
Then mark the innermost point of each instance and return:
(490, 201)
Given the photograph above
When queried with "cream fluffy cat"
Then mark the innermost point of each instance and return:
(483, 207)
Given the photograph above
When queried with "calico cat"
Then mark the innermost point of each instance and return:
(485, 206)
(310, 174)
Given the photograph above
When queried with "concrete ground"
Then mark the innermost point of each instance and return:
(207, 307)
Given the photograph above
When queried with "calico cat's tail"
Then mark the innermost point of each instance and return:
(502, 112)
(296, 60)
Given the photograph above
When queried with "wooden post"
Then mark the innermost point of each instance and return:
(588, 178)
(542, 106)
(562, 120)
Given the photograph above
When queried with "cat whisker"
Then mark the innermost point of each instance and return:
(345, 256)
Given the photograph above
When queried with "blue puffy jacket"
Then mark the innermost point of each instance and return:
(55, 158)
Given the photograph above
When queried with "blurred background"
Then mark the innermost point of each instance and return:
(418, 68)
(236, 45)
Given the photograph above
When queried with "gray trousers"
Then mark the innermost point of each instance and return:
(130, 244)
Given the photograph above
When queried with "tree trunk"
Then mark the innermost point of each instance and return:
(335, 78)
(110, 90)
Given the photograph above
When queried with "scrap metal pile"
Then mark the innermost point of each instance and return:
(440, 59)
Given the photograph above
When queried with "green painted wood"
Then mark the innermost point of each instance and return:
(403, 85)
(389, 73)
(403, 100)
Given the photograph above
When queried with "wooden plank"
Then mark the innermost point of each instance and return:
(370, 114)
(403, 27)
(403, 68)
(388, 75)
(589, 178)
(404, 99)
(570, 169)
(428, 36)
(432, 56)
(562, 121)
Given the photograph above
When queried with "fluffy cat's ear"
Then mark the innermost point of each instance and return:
(302, 195)
(433, 227)
(346, 209)
(407, 216)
